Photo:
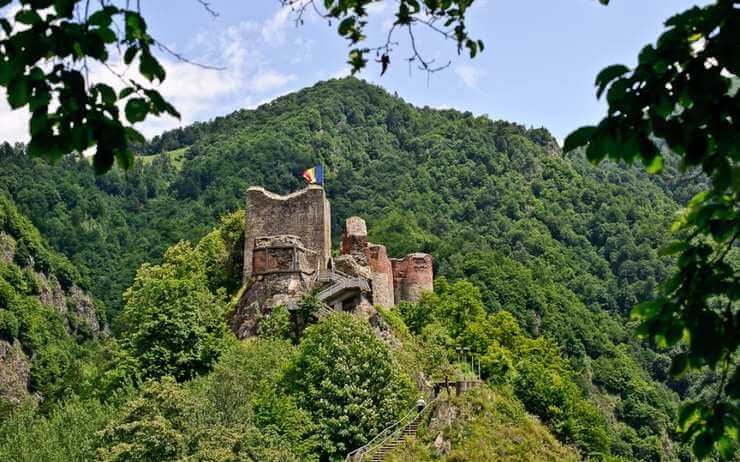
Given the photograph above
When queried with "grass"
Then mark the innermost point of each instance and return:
(483, 425)
(177, 156)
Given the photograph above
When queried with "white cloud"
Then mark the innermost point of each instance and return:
(470, 75)
(198, 93)
(376, 8)
(273, 30)
(269, 80)
(13, 124)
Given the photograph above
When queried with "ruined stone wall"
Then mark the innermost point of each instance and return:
(374, 256)
(382, 275)
(304, 214)
(412, 275)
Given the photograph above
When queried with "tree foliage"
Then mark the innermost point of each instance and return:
(344, 376)
(682, 99)
(45, 53)
(172, 324)
(447, 18)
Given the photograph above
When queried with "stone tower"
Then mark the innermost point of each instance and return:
(412, 275)
(305, 214)
(374, 256)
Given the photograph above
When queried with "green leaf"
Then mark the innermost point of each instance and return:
(346, 26)
(103, 17)
(578, 138)
(703, 444)
(125, 160)
(647, 310)
(102, 160)
(6, 26)
(130, 54)
(65, 8)
(18, 92)
(136, 109)
(106, 34)
(135, 26)
(133, 136)
(107, 94)
(655, 165)
(725, 447)
(29, 17)
(673, 248)
(607, 75)
(39, 122)
(689, 414)
(126, 92)
(150, 67)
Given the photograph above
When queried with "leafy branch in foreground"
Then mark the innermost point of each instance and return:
(444, 17)
(683, 96)
(44, 65)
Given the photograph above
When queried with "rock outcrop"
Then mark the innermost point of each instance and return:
(15, 372)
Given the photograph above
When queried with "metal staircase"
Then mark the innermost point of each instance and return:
(393, 443)
(340, 282)
(391, 437)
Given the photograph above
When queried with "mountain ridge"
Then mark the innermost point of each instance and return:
(546, 236)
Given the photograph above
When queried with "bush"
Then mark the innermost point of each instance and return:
(277, 324)
(8, 325)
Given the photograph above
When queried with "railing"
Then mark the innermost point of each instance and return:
(387, 433)
(341, 282)
(323, 311)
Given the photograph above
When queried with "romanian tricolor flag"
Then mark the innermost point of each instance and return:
(314, 175)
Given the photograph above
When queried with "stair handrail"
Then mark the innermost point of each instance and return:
(395, 428)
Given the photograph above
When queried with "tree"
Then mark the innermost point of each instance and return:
(152, 426)
(346, 378)
(172, 323)
(682, 99)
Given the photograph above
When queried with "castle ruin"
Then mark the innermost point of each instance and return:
(288, 254)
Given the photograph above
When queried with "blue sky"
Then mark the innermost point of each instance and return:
(538, 67)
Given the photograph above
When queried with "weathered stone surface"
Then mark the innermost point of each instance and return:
(14, 372)
(7, 248)
(245, 322)
(355, 226)
(382, 275)
(85, 313)
(51, 293)
(304, 214)
(412, 275)
(282, 253)
(356, 246)
(284, 270)
(348, 264)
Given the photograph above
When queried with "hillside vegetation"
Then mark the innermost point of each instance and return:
(539, 257)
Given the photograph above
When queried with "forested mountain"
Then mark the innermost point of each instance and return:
(47, 322)
(514, 226)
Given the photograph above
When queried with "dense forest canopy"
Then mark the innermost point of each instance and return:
(521, 234)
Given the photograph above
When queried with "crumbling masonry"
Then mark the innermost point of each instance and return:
(287, 254)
